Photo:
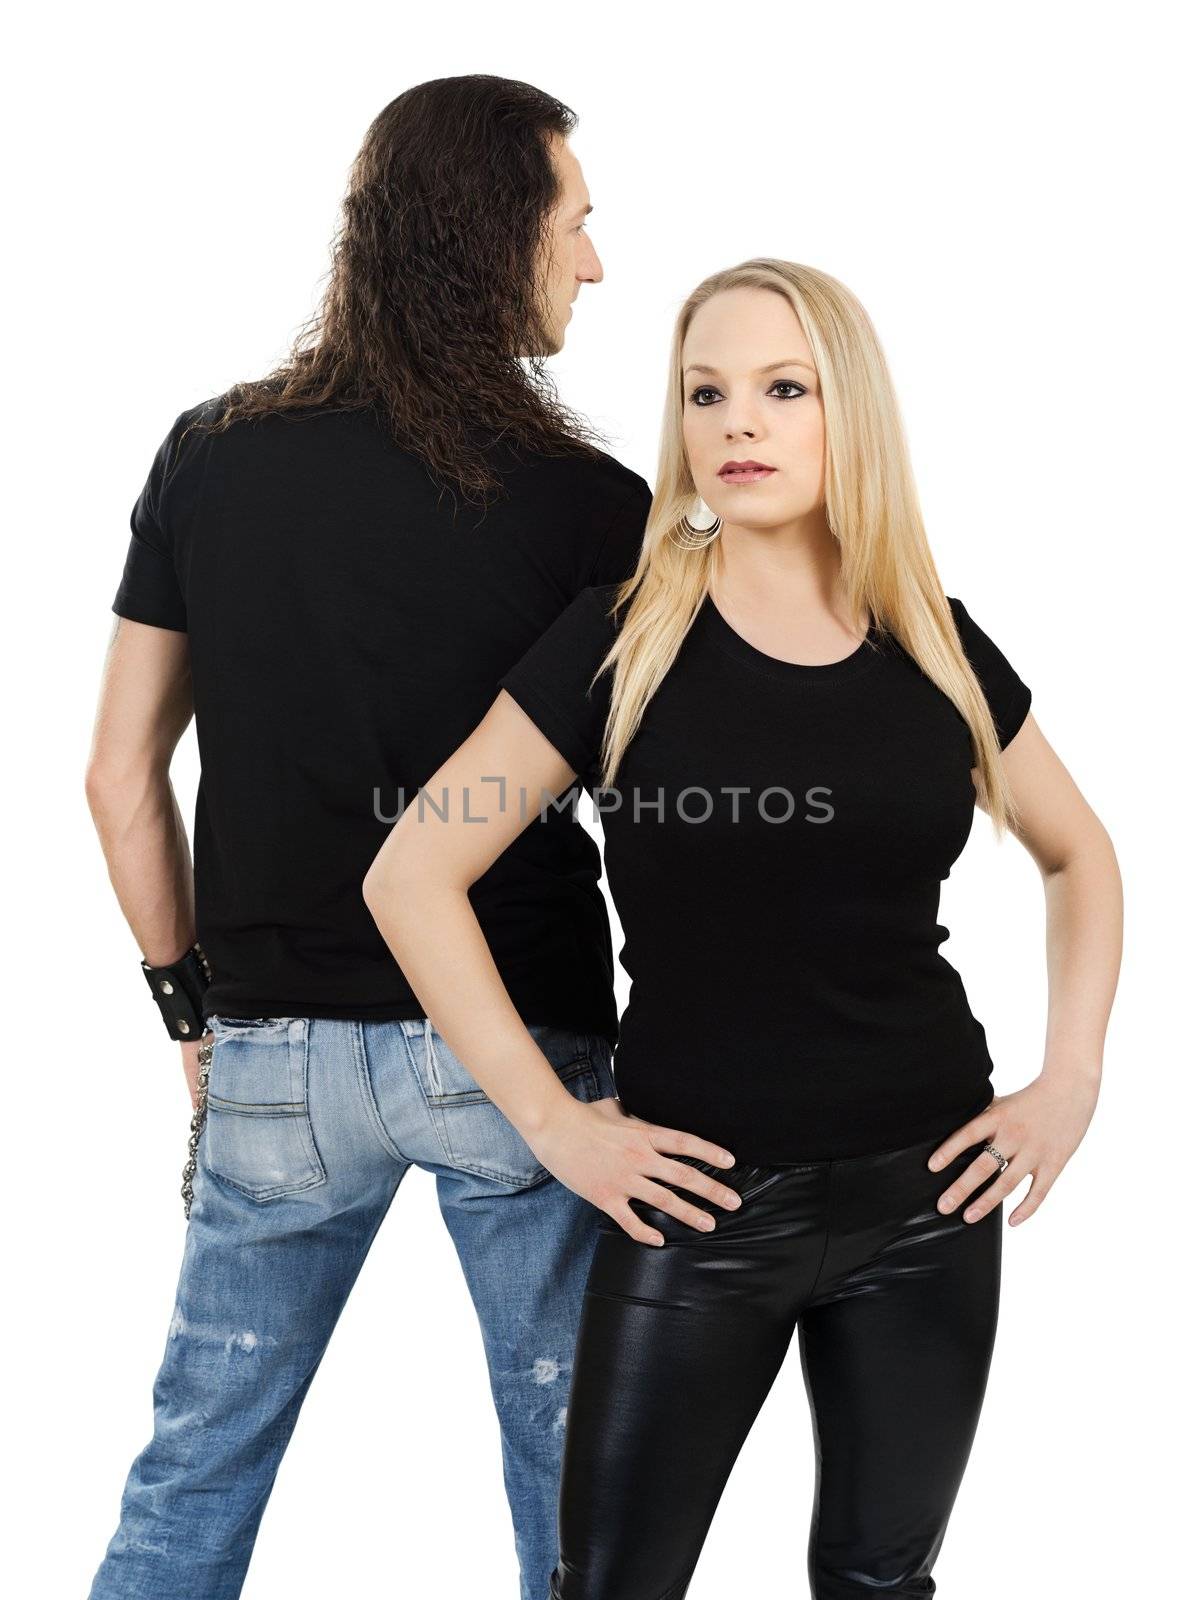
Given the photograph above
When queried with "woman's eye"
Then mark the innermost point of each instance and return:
(697, 393)
(786, 383)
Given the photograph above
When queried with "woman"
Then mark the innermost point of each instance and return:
(789, 723)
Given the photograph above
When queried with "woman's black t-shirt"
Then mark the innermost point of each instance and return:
(775, 843)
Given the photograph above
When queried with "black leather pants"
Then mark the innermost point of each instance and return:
(894, 1306)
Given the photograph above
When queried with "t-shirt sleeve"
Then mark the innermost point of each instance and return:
(150, 590)
(621, 543)
(1007, 696)
(552, 680)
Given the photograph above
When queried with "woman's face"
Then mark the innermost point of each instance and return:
(750, 394)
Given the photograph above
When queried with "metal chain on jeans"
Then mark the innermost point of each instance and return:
(199, 1115)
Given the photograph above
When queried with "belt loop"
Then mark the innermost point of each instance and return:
(435, 1082)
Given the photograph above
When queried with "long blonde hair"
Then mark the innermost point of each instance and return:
(870, 503)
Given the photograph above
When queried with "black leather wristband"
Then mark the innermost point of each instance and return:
(178, 992)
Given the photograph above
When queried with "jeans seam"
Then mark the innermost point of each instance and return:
(431, 1068)
(250, 1108)
(424, 1092)
(262, 1196)
(368, 1094)
(567, 1073)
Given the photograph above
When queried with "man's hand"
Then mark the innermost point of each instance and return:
(191, 1068)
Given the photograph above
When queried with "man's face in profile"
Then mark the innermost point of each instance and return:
(571, 257)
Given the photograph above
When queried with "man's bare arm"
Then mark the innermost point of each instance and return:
(144, 707)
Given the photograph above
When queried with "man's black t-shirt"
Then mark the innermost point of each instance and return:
(775, 844)
(346, 633)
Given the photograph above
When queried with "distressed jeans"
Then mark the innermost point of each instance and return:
(311, 1125)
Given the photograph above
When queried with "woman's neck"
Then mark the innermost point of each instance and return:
(780, 588)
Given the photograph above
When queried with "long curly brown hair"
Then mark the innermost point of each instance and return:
(435, 306)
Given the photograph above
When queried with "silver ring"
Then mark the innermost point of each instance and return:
(991, 1150)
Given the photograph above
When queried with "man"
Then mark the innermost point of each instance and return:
(332, 567)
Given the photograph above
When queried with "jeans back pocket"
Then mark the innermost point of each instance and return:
(258, 1135)
(474, 1133)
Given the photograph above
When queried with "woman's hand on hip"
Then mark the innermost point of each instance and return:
(1038, 1128)
(609, 1157)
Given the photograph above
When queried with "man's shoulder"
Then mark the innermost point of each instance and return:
(300, 423)
(194, 420)
(205, 438)
(603, 600)
(594, 478)
(204, 411)
(183, 450)
(605, 469)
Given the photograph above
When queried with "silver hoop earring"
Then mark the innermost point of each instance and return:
(695, 538)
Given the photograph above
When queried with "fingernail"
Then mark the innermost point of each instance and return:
(944, 1204)
(709, 1224)
(934, 1163)
(727, 1160)
(657, 1239)
(973, 1216)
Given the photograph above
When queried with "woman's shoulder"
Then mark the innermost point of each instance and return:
(1008, 696)
(969, 630)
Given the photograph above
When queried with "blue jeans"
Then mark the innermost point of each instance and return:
(311, 1125)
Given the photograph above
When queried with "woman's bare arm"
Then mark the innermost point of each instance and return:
(1040, 1127)
(494, 786)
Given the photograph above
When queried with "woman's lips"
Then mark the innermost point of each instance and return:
(747, 474)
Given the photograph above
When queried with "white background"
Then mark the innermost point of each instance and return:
(1006, 189)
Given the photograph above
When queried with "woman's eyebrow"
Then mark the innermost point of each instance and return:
(695, 366)
(794, 362)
